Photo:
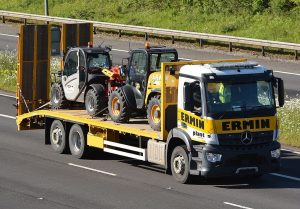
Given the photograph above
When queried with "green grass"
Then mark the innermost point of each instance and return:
(8, 70)
(265, 19)
(289, 117)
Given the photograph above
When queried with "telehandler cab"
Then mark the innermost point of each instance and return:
(84, 79)
(141, 93)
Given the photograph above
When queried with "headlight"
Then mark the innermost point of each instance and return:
(275, 153)
(213, 157)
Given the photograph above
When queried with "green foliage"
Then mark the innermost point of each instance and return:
(8, 70)
(289, 122)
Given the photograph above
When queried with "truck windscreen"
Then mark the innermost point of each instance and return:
(232, 97)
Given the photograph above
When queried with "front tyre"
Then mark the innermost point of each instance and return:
(58, 137)
(153, 113)
(94, 103)
(118, 107)
(180, 164)
(77, 141)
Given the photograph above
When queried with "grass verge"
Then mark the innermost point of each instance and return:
(289, 117)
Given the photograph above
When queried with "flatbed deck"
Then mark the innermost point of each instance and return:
(138, 126)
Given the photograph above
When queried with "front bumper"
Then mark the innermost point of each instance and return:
(236, 160)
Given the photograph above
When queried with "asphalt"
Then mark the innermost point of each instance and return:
(33, 176)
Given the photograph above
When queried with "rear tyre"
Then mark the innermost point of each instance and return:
(58, 137)
(153, 113)
(58, 99)
(180, 164)
(94, 103)
(118, 107)
(77, 141)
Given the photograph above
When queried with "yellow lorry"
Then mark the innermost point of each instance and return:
(218, 118)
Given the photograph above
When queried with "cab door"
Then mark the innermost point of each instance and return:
(137, 75)
(70, 77)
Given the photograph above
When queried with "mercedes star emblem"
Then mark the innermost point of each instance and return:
(246, 137)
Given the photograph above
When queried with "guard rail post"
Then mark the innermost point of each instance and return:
(201, 42)
(3, 19)
(230, 46)
(263, 51)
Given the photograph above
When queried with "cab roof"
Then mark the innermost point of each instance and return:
(156, 49)
(90, 50)
(223, 68)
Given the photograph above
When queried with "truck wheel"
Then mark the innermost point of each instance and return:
(118, 107)
(77, 141)
(94, 103)
(58, 99)
(180, 164)
(153, 113)
(58, 137)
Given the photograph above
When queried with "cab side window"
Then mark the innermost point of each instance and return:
(71, 64)
(196, 98)
(192, 97)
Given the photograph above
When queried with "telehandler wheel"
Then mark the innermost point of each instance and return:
(94, 103)
(153, 113)
(180, 164)
(77, 141)
(58, 99)
(58, 137)
(118, 107)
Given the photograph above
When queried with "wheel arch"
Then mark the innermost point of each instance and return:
(176, 137)
(153, 93)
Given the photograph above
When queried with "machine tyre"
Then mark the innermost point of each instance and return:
(94, 103)
(180, 164)
(58, 137)
(153, 113)
(58, 99)
(118, 107)
(77, 141)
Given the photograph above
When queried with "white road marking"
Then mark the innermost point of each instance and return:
(120, 50)
(236, 205)
(9, 35)
(8, 116)
(285, 176)
(287, 150)
(181, 58)
(92, 169)
(289, 73)
(6, 95)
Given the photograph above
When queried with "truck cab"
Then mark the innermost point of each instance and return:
(227, 112)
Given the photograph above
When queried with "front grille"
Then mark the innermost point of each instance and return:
(262, 137)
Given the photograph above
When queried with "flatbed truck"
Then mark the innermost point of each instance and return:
(218, 118)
